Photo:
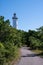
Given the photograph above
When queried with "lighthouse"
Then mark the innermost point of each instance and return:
(14, 20)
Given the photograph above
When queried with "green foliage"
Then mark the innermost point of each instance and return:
(35, 38)
(40, 33)
(24, 38)
(2, 54)
(7, 52)
(11, 39)
(34, 43)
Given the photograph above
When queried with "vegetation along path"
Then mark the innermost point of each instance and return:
(29, 58)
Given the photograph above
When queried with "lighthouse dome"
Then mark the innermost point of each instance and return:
(14, 16)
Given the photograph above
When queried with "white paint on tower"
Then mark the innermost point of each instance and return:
(14, 20)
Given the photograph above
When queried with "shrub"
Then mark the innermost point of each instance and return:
(2, 54)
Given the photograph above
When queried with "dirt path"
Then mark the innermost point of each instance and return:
(29, 58)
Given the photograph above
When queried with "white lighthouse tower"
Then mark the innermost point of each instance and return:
(14, 20)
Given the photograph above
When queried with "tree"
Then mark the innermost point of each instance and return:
(40, 33)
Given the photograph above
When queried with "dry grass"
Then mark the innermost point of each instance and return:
(37, 51)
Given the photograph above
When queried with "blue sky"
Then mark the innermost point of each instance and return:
(29, 12)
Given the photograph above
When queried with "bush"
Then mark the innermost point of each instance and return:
(7, 52)
(2, 54)
(34, 43)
